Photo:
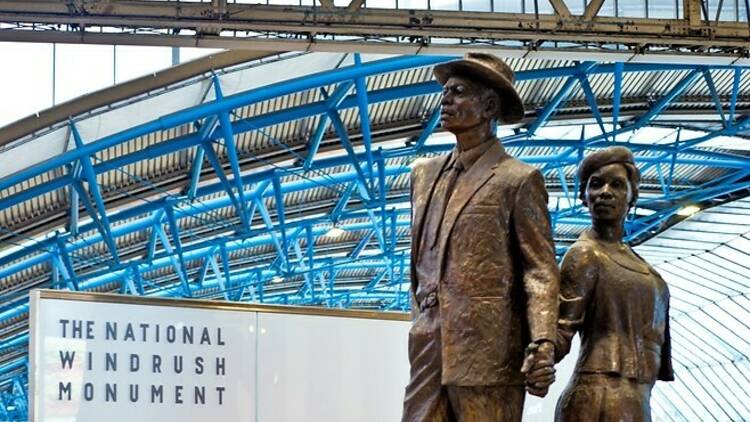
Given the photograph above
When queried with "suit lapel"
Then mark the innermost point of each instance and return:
(422, 197)
(468, 184)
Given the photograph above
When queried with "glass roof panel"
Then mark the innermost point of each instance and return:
(81, 68)
(693, 275)
(28, 81)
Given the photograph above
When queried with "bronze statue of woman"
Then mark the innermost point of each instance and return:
(615, 300)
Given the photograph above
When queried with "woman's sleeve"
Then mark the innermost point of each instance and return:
(666, 373)
(579, 273)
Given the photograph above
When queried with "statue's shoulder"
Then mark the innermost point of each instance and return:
(584, 246)
(515, 170)
(581, 263)
(583, 252)
(423, 166)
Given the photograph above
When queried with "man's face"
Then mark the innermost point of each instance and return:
(462, 107)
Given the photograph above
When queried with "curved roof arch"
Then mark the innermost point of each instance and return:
(225, 181)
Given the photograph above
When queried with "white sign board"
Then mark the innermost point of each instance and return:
(94, 361)
(119, 358)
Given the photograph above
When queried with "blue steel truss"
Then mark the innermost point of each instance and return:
(298, 269)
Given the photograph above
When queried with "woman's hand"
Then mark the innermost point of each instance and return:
(539, 367)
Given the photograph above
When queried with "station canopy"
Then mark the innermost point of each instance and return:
(284, 179)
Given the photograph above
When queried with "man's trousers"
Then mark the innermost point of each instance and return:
(427, 400)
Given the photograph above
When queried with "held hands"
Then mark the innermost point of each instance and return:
(539, 367)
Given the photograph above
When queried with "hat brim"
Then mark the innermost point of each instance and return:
(511, 106)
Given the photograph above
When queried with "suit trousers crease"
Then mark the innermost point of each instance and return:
(427, 400)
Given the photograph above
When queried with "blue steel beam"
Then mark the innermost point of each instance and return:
(428, 129)
(310, 246)
(226, 265)
(219, 170)
(562, 72)
(135, 274)
(382, 189)
(309, 282)
(229, 103)
(4, 411)
(175, 231)
(64, 265)
(73, 211)
(201, 276)
(338, 161)
(376, 228)
(349, 148)
(217, 282)
(364, 115)
(207, 248)
(279, 201)
(682, 147)
(156, 219)
(662, 179)
(19, 363)
(173, 260)
(376, 280)
(717, 187)
(195, 139)
(21, 397)
(732, 161)
(187, 211)
(521, 75)
(715, 95)
(726, 160)
(393, 226)
(280, 249)
(342, 201)
(544, 114)
(225, 125)
(220, 279)
(591, 100)
(673, 162)
(617, 98)
(332, 103)
(561, 96)
(664, 102)
(100, 216)
(314, 143)
(361, 245)
(204, 133)
(250, 273)
(735, 93)
(740, 125)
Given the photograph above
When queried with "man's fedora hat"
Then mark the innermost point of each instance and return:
(492, 72)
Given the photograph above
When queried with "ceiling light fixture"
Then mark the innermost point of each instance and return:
(688, 210)
(335, 232)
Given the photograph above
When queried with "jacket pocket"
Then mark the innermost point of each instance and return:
(475, 340)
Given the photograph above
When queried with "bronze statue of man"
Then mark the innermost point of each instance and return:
(483, 271)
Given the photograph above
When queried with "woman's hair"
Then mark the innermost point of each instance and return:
(599, 159)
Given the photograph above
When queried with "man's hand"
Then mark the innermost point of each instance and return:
(539, 367)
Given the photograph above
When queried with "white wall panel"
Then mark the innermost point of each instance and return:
(281, 367)
(315, 368)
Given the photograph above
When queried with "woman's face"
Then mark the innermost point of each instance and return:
(608, 193)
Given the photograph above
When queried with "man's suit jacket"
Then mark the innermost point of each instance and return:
(498, 278)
